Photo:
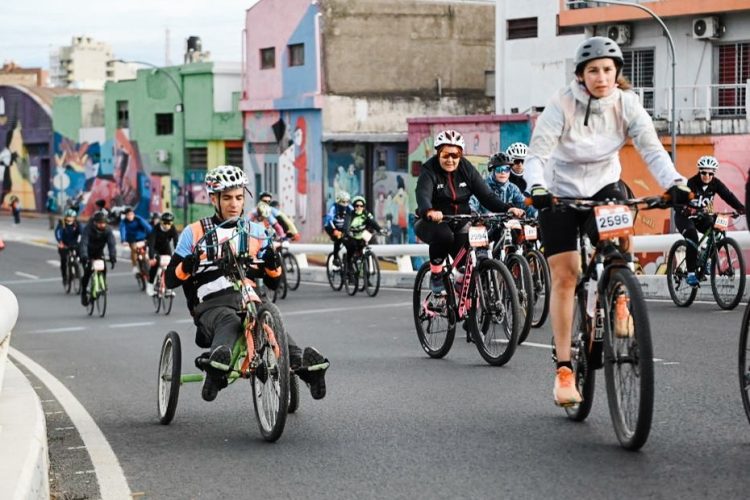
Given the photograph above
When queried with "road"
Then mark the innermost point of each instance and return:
(394, 424)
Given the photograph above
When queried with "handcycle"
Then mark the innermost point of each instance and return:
(260, 354)
(362, 271)
(540, 274)
(97, 289)
(719, 257)
(141, 277)
(72, 265)
(163, 296)
(512, 255)
(611, 328)
(486, 298)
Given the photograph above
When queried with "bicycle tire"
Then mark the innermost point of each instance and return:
(77, 278)
(494, 301)
(293, 393)
(351, 276)
(371, 274)
(156, 298)
(68, 281)
(335, 277)
(167, 302)
(436, 329)
(140, 281)
(271, 396)
(280, 290)
(291, 266)
(585, 376)
(732, 276)
(541, 281)
(633, 424)
(168, 385)
(90, 293)
(680, 292)
(744, 362)
(521, 274)
(101, 303)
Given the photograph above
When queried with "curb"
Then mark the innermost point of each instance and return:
(24, 472)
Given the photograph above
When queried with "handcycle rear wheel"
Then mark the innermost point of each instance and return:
(291, 268)
(681, 293)
(436, 326)
(585, 375)
(335, 276)
(728, 274)
(628, 360)
(744, 362)
(271, 390)
(170, 366)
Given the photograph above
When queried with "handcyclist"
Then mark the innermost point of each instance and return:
(445, 184)
(574, 152)
(359, 220)
(96, 235)
(67, 234)
(517, 153)
(161, 241)
(212, 298)
(704, 185)
(133, 229)
(285, 222)
(335, 221)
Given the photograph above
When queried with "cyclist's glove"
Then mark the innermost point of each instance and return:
(271, 259)
(679, 194)
(541, 197)
(112, 262)
(190, 263)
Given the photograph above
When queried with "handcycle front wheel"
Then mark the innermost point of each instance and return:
(628, 359)
(293, 393)
(435, 323)
(681, 293)
(728, 274)
(170, 366)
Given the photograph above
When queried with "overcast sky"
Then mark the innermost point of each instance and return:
(134, 28)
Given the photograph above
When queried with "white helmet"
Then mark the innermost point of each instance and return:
(517, 151)
(342, 197)
(708, 163)
(450, 138)
(225, 177)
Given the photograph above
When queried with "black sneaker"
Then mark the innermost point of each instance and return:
(216, 378)
(84, 299)
(315, 371)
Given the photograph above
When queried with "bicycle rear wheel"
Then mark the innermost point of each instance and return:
(270, 381)
(628, 359)
(335, 277)
(101, 303)
(681, 293)
(495, 315)
(728, 274)
(291, 268)
(435, 322)
(168, 387)
(91, 296)
(351, 275)
(68, 281)
(141, 282)
(156, 298)
(579, 358)
(371, 275)
(519, 270)
(744, 362)
(540, 279)
(281, 288)
(76, 277)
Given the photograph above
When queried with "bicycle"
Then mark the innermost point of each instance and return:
(97, 289)
(290, 274)
(335, 273)
(141, 277)
(486, 297)
(260, 354)
(608, 297)
(719, 256)
(72, 265)
(163, 296)
(507, 251)
(362, 272)
(540, 274)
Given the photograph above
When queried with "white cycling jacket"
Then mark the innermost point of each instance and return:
(573, 159)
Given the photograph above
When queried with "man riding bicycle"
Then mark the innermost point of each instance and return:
(335, 222)
(67, 234)
(285, 223)
(212, 298)
(161, 241)
(133, 229)
(96, 235)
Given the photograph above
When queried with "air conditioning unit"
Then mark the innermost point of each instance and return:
(620, 33)
(707, 28)
(162, 155)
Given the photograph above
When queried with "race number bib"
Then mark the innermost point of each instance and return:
(478, 236)
(613, 221)
(529, 233)
(513, 224)
(366, 236)
(721, 223)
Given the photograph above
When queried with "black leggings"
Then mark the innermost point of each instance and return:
(443, 238)
(689, 229)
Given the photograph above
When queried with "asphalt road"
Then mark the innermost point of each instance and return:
(395, 424)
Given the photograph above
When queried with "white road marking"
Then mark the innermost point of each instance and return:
(64, 428)
(109, 473)
(128, 325)
(76, 447)
(27, 275)
(54, 263)
(338, 309)
(57, 330)
(53, 412)
(47, 280)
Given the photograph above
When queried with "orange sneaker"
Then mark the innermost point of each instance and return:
(565, 392)
(623, 319)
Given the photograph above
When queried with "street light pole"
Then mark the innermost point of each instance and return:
(650, 12)
(180, 108)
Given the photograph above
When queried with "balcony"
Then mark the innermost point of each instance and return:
(588, 13)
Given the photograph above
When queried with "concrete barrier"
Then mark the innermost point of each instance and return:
(8, 317)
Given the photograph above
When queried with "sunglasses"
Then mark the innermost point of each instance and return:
(707, 172)
(517, 162)
(502, 169)
(452, 156)
(166, 223)
(359, 205)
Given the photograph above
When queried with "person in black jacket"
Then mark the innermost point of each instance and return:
(446, 183)
(161, 241)
(95, 236)
(704, 185)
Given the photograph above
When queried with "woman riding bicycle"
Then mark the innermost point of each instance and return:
(446, 183)
(574, 153)
(704, 185)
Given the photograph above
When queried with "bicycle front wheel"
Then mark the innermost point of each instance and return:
(628, 359)
(495, 317)
(728, 274)
(540, 279)
(270, 381)
(521, 273)
(101, 303)
(744, 362)
(170, 366)
(681, 293)
(371, 275)
(333, 272)
(167, 301)
(158, 294)
(68, 281)
(579, 358)
(291, 268)
(76, 277)
(434, 319)
(351, 275)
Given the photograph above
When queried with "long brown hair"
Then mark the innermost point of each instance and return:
(623, 83)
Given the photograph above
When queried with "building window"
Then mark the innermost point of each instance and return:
(269, 176)
(164, 124)
(297, 54)
(522, 28)
(123, 117)
(197, 158)
(568, 30)
(733, 73)
(268, 58)
(233, 156)
(639, 69)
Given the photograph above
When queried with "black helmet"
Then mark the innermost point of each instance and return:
(499, 159)
(99, 216)
(154, 215)
(167, 217)
(127, 210)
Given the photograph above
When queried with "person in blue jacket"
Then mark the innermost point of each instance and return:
(498, 180)
(67, 234)
(337, 221)
(133, 228)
